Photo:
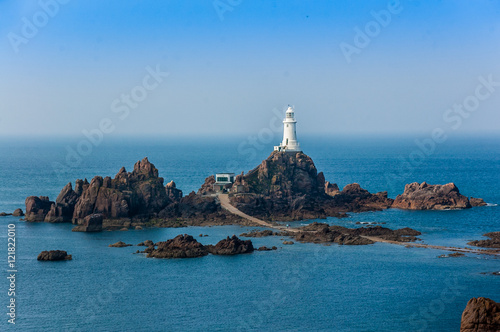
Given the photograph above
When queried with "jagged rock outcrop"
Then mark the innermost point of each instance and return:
(492, 242)
(477, 201)
(287, 186)
(481, 315)
(54, 255)
(182, 246)
(207, 187)
(139, 194)
(18, 213)
(422, 196)
(356, 199)
(231, 246)
(63, 208)
(331, 189)
(172, 192)
(37, 208)
(91, 223)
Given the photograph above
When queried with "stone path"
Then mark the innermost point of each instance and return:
(226, 204)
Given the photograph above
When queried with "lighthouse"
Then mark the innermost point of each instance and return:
(289, 143)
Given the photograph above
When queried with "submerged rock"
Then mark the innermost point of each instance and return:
(54, 255)
(423, 196)
(481, 315)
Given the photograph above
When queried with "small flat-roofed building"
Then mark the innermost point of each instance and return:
(223, 181)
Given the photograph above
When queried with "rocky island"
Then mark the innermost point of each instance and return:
(284, 187)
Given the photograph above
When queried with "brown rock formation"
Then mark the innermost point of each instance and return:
(37, 208)
(477, 201)
(54, 255)
(182, 246)
(231, 246)
(431, 197)
(18, 213)
(119, 244)
(91, 223)
(287, 186)
(331, 188)
(207, 187)
(492, 242)
(481, 315)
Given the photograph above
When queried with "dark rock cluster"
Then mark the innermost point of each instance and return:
(492, 242)
(54, 255)
(186, 246)
(287, 186)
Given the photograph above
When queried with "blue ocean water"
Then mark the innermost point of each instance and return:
(379, 287)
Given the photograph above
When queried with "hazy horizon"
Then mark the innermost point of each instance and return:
(234, 66)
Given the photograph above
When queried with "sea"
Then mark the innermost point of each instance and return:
(299, 287)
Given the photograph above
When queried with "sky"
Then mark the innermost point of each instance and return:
(216, 67)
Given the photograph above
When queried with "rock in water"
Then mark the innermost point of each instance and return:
(18, 213)
(477, 201)
(287, 186)
(37, 208)
(91, 223)
(231, 246)
(481, 315)
(492, 242)
(119, 244)
(54, 255)
(182, 246)
(422, 196)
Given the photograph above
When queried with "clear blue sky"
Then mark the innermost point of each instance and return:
(230, 67)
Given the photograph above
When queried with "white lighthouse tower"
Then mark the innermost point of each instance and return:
(289, 142)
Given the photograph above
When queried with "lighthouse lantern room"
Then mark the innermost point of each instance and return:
(289, 143)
